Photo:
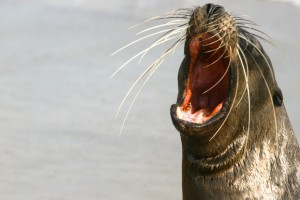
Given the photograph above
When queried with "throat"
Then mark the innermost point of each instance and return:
(207, 82)
(208, 85)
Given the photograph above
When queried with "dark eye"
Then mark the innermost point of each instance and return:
(278, 98)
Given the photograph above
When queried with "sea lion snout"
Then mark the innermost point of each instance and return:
(206, 78)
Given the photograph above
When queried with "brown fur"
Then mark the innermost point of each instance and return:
(260, 161)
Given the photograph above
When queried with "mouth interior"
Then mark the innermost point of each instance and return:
(207, 82)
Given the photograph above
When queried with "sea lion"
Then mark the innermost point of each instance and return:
(237, 141)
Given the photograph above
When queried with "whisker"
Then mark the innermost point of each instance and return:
(244, 91)
(230, 109)
(178, 15)
(171, 14)
(215, 60)
(178, 42)
(264, 39)
(163, 39)
(243, 16)
(166, 35)
(138, 92)
(257, 30)
(208, 38)
(248, 95)
(132, 58)
(153, 66)
(154, 18)
(266, 60)
(219, 79)
(222, 44)
(241, 23)
(214, 21)
(170, 23)
(243, 94)
(187, 16)
(140, 39)
(270, 95)
(133, 86)
(213, 37)
(135, 83)
(212, 28)
(240, 19)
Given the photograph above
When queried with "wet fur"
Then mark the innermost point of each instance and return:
(250, 152)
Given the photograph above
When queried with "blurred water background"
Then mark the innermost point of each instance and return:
(59, 139)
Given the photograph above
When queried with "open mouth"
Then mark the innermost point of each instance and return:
(207, 80)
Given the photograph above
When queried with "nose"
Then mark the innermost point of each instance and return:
(212, 8)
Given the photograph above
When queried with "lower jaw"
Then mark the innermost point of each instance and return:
(201, 116)
(203, 127)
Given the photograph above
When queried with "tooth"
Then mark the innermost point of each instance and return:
(179, 113)
(199, 118)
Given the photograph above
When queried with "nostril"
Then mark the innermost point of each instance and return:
(209, 9)
(212, 8)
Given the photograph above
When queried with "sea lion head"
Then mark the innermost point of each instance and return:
(226, 90)
(236, 138)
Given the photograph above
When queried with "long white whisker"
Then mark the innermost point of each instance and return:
(254, 29)
(154, 67)
(230, 109)
(206, 66)
(243, 20)
(138, 92)
(266, 60)
(268, 39)
(214, 21)
(163, 39)
(218, 80)
(178, 42)
(213, 37)
(128, 61)
(222, 44)
(141, 76)
(244, 91)
(158, 42)
(133, 86)
(154, 18)
(140, 39)
(170, 23)
(142, 52)
(270, 94)
(249, 99)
